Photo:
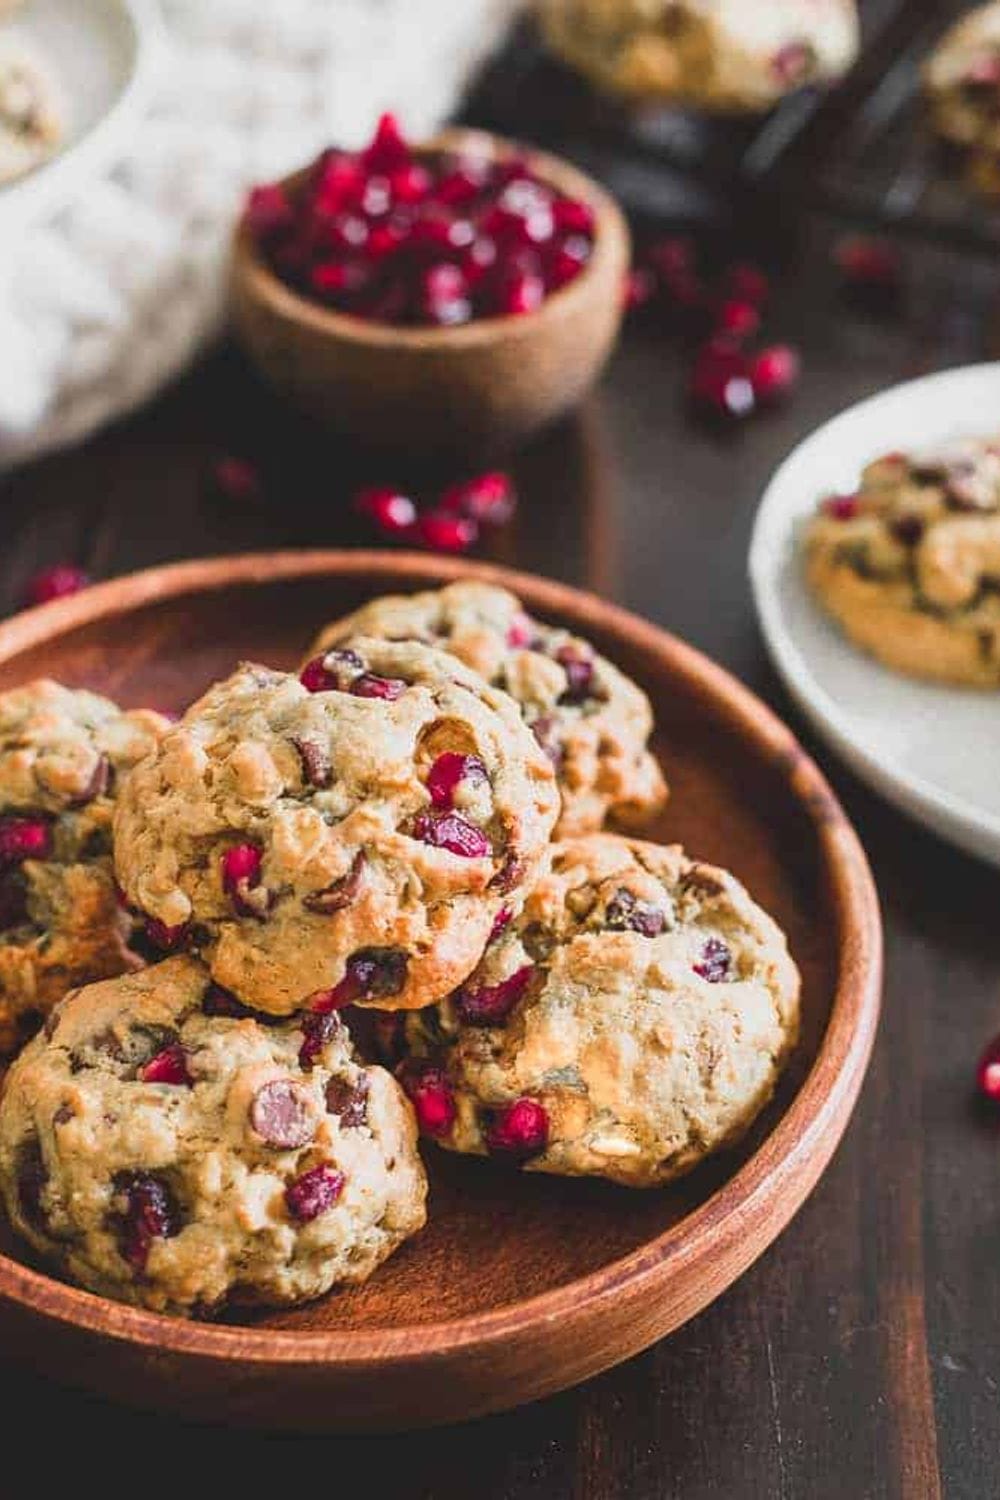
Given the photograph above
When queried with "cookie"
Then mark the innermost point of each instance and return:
(633, 1019)
(909, 565)
(63, 755)
(29, 122)
(588, 717)
(357, 831)
(715, 54)
(166, 1148)
(962, 83)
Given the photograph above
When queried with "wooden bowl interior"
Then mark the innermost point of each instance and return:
(493, 1238)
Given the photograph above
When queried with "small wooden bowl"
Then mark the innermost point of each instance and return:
(520, 1285)
(448, 392)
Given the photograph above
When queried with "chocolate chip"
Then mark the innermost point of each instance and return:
(281, 1114)
(348, 1100)
(32, 1175)
(316, 765)
(341, 893)
(99, 783)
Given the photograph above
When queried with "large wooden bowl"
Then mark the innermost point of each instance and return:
(520, 1285)
(441, 391)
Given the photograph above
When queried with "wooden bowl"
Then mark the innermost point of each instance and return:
(520, 1285)
(441, 392)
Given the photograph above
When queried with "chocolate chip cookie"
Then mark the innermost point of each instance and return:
(632, 1019)
(29, 121)
(63, 755)
(162, 1145)
(909, 564)
(714, 54)
(355, 832)
(962, 82)
(591, 720)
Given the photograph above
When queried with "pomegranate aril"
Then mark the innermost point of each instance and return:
(490, 1005)
(520, 293)
(501, 922)
(449, 771)
(452, 832)
(488, 499)
(368, 685)
(670, 255)
(410, 183)
(390, 509)
(241, 867)
(638, 288)
(988, 1072)
(237, 479)
(268, 212)
(715, 961)
(441, 233)
(443, 532)
(24, 838)
(313, 1192)
(522, 633)
(579, 669)
(370, 974)
(166, 939)
(573, 216)
(746, 281)
(168, 1066)
(443, 296)
(388, 150)
(55, 583)
(149, 1213)
(867, 263)
(565, 262)
(841, 507)
(433, 1102)
(330, 672)
(774, 372)
(318, 1030)
(336, 281)
(720, 382)
(520, 1129)
(737, 318)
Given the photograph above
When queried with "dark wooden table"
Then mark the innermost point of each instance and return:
(859, 1357)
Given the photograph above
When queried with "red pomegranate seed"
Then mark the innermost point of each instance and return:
(449, 771)
(522, 633)
(241, 866)
(368, 685)
(715, 961)
(336, 280)
(501, 922)
(579, 669)
(442, 233)
(988, 1072)
(479, 260)
(720, 382)
(268, 212)
(410, 183)
(24, 838)
(521, 1129)
(330, 672)
(573, 216)
(318, 1030)
(55, 583)
(452, 832)
(748, 282)
(168, 1066)
(433, 1102)
(521, 292)
(488, 499)
(313, 1192)
(369, 974)
(464, 182)
(388, 150)
(566, 261)
(443, 532)
(237, 479)
(869, 262)
(443, 296)
(670, 254)
(150, 1214)
(390, 509)
(492, 1004)
(166, 939)
(738, 318)
(774, 372)
(841, 507)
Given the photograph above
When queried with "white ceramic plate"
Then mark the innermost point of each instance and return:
(933, 751)
(103, 56)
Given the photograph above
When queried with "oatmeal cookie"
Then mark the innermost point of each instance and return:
(962, 83)
(909, 565)
(632, 1020)
(29, 122)
(63, 754)
(356, 831)
(163, 1146)
(590, 719)
(715, 54)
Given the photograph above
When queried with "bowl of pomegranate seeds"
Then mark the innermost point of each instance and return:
(444, 297)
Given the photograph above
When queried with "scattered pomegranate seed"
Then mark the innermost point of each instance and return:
(55, 583)
(433, 1102)
(670, 255)
(488, 499)
(449, 771)
(738, 318)
(841, 507)
(24, 838)
(638, 289)
(747, 282)
(774, 372)
(988, 1072)
(452, 832)
(388, 508)
(867, 262)
(715, 961)
(313, 1192)
(521, 1129)
(237, 479)
(720, 382)
(168, 1066)
(443, 532)
(166, 939)
(492, 1004)
(368, 685)
(150, 1213)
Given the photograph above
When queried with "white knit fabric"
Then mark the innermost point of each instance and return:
(110, 299)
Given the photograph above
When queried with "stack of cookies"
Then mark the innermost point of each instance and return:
(339, 909)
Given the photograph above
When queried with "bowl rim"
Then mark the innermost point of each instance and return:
(818, 1112)
(611, 239)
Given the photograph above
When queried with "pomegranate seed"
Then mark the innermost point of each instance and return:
(168, 1066)
(443, 296)
(24, 838)
(410, 183)
(521, 1129)
(521, 292)
(573, 216)
(166, 939)
(439, 232)
(313, 1192)
(566, 262)
(988, 1072)
(739, 319)
(501, 922)
(869, 262)
(336, 280)
(237, 479)
(492, 1004)
(268, 212)
(720, 382)
(841, 507)
(579, 669)
(747, 282)
(715, 961)
(369, 974)
(443, 532)
(625, 913)
(330, 672)
(388, 151)
(370, 686)
(55, 583)
(672, 254)
(150, 1214)
(449, 771)
(391, 510)
(774, 372)
(522, 633)
(383, 241)
(479, 260)
(462, 184)
(433, 1102)
(488, 499)
(452, 832)
(241, 866)
(318, 1030)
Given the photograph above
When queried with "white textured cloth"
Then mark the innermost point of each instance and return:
(114, 296)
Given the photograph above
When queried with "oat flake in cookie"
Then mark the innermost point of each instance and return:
(632, 1020)
(592, 721)
(163, 1146)
(909, 565)
(63, 756)
(350, 837)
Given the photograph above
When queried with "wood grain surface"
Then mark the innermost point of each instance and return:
(858, 1357)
